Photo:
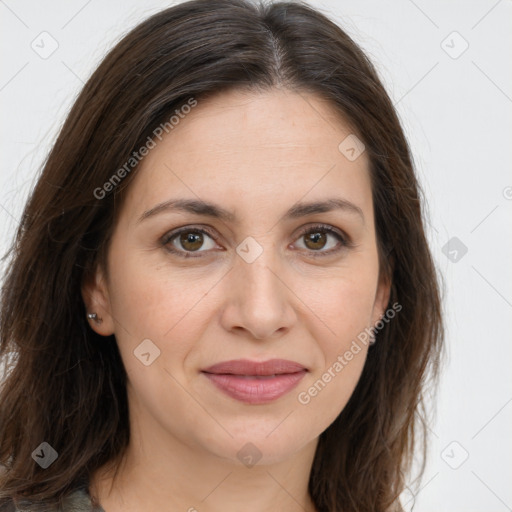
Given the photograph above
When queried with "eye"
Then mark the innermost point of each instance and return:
(316, 238)
(187, 241)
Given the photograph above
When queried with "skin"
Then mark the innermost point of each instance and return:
(255, 154)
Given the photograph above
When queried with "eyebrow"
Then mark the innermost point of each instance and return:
(200, 207)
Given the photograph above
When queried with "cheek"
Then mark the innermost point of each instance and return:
(343, 306)
(326, 393)
(156, 303)
(144, 299)
(344, 309)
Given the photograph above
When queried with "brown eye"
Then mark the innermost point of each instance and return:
(191, 241)
(187, 241)
(316, 240)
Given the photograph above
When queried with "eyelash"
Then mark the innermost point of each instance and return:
(345, 241)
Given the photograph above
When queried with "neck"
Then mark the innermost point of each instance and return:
(160, 472)
(207, 486)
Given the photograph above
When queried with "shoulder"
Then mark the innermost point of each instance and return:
(80, 501)
(77, 501)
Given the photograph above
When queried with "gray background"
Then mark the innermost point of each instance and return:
(456, 107)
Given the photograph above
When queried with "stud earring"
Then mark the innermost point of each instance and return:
(95, 317)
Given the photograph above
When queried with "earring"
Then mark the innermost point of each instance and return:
(372, 339)
(95, 317)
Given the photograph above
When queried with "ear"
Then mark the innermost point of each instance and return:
(381, 298)
(96, 299)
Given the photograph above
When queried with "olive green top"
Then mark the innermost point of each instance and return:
(78, 501)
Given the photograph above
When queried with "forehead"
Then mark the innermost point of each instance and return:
(257, 149)
(276, 120)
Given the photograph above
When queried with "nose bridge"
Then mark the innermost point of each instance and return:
(258, 300)
(257, 265)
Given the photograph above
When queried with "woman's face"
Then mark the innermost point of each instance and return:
(250, 285)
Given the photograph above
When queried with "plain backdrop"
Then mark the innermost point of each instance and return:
(446, 64)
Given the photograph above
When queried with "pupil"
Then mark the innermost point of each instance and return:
(315, 238)
(191, 238)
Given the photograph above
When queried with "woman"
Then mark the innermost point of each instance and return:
(221, 294)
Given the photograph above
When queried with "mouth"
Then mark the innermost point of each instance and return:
(255, 382)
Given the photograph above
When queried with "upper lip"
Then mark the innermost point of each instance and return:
(248, 367)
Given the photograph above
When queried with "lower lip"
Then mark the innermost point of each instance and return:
(253, 390)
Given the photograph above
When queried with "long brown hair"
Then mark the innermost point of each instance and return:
(65, 386)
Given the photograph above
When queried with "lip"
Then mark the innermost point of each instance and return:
(248, 367)
(255, 382)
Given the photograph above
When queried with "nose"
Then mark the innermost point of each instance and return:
(258, 300)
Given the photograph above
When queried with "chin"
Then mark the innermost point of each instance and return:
(259, 446)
